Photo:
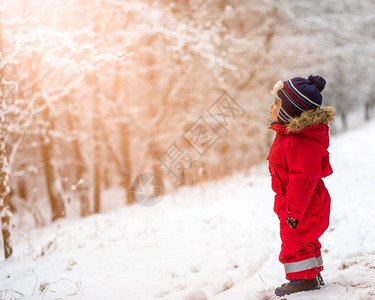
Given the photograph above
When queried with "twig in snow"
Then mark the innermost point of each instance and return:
(4, 293)
(36, 282)
(8, 274)
(263, 282)
(46, 287)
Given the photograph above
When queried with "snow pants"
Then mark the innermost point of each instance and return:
(300, 248)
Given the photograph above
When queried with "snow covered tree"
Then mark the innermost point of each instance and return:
(4, 168)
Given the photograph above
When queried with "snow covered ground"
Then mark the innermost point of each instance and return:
(216, 241)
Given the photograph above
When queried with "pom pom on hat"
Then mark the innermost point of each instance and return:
(318, 81)
(299, 94)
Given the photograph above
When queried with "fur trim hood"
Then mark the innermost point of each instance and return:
(321, 115)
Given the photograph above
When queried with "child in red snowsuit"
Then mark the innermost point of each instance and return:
(298, 160)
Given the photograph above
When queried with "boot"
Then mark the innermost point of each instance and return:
(295, 286)
(320, 279)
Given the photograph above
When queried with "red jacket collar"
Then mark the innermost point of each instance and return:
(279, 128)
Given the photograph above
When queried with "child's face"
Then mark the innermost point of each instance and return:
(274, 109)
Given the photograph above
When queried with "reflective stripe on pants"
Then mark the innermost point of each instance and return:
(303, 265)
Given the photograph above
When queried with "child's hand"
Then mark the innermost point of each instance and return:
(292, 222)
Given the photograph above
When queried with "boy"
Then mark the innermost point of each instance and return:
(298, 160)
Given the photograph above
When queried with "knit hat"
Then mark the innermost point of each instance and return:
(297, 95)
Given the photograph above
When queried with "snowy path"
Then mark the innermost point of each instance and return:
(219, 241)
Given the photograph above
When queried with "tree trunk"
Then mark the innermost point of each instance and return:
(55, 198)
(344, 119)
(126, 168)
(368, 107)
(4, 194)
(124, 131)
(4, 170)
(96, 150)
(367, 111)
(81, 170)
(96, 179)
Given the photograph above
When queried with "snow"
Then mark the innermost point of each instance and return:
(218, 240)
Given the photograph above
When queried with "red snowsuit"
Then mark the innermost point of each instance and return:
(298, 160)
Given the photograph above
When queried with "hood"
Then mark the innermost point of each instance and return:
(321, 115)
(311, 123)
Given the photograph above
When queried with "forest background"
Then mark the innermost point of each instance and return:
(95, 93)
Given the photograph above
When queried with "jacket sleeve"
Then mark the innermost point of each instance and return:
(304, 160)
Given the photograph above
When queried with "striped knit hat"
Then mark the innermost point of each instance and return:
(297, 95)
